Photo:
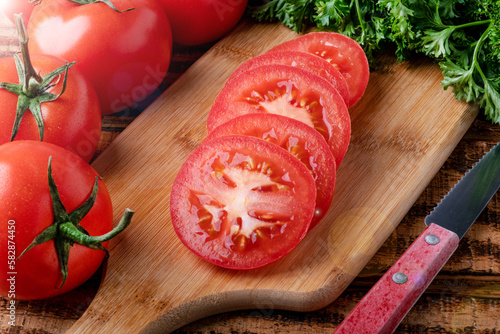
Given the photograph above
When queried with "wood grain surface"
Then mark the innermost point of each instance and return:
(463, 299)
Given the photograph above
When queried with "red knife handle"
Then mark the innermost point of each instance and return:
(386, 304)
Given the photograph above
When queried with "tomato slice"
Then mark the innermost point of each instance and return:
(303, 60)
(300, 140)
(287, 91)
(241, 202)
(342, 52)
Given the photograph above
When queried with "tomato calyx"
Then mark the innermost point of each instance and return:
(107, 2)
(32, 88)
(66, 230)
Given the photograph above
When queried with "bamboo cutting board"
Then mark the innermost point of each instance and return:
(403, 130)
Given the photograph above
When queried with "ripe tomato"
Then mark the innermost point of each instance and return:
(11, 7)
(27, 210)
(342, 52)
(125, 55)
(300, 140)
(240, 202)
(303, 60)
(201, 21)
(72, 121)
(287, 91)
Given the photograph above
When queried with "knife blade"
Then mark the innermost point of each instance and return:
(387, 303)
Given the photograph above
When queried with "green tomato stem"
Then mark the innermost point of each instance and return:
(66, 230)
(29, 71)
(107, 2)
(32, 88)
(69, 231)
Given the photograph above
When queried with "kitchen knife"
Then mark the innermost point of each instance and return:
(386, 304)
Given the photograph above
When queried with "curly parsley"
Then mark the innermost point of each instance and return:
(463, 36)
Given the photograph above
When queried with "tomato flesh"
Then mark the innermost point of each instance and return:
(303, 60)
(300, 140)
(344, 53)
(241, 202)
(286, 91)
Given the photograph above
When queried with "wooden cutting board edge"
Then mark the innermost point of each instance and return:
(264, 302)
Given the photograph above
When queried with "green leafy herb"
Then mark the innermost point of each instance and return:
(463, 36)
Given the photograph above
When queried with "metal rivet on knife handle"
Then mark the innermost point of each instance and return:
(432, 239)
(399, 278)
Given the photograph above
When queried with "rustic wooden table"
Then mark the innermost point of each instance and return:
(464, 298)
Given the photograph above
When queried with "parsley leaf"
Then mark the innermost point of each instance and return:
(462, 36)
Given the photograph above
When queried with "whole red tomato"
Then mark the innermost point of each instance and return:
(28, 209)
(11, 7)
(72, 121)
(124, 54)
(201, 21)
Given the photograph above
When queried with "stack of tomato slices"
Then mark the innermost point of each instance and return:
(277, 132)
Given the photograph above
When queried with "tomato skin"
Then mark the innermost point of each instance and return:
(124, 55)
(302, 60)
(216, 242)
(297, 138)
(26, 203)
(12, 7)
(251, 91)
(72, 121)
(197, 22)
(342, 52)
